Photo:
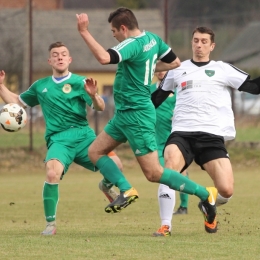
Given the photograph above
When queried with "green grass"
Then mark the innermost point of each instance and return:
(248, 134)
(85, 231)
(22, 138)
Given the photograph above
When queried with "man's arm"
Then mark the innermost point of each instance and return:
(168, 62)
(251, 86)
(98, 51)
(91, 88)
(6, 94)
(163, 66)
(159, 96)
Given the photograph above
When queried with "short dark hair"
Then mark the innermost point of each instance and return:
(123, 16)
(56, 45)
(207, 30)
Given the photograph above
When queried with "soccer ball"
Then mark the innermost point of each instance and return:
(12, 117)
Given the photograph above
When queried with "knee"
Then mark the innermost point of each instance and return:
(153, 176)
(226, 192)
(52, 176)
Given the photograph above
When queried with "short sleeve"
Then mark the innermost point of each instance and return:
(234, 76)
(168, 83)
(29, 97)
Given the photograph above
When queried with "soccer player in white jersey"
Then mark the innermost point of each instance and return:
(63, 98)
(138, 55)
(203, 118)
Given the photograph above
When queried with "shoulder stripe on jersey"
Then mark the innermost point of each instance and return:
(22, 101)
(162, 81)
(243, 72)
(123, 44)
(164, 54)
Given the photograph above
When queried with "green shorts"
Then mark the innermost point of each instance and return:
(135, 126)
(70, 146)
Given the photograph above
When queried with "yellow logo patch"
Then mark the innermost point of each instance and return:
(66, 88)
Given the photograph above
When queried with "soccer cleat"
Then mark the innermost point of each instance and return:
(180, 211)
(163, 231)
(211, 228)
(50, 229)
(209, 210)
(110, 193)
(122, 201)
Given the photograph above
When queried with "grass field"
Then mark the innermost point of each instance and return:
(85, 231)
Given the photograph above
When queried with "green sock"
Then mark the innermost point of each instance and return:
(111, 172)
(107, 183)
(179, 182)
(50, 200)
(184, 197)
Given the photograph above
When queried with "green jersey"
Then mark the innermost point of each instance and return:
(164, 114)
(137, 61)
(63, 102)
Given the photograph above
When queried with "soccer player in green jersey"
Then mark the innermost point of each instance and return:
(63, 98)
(166, 196)
(138, 55)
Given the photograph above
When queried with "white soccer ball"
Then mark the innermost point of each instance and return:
(12, 117)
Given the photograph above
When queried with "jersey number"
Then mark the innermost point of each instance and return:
(149, 69)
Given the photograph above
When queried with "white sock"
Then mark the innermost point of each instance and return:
(166, 199)
(221, 200)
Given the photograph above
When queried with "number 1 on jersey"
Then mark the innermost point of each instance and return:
(149, 70)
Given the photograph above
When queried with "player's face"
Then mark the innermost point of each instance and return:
(201, 46)
(59, 60)
(118, 34)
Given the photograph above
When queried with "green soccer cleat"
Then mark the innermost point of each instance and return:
(122, 201)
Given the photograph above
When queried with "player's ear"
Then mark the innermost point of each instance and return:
(212, 46)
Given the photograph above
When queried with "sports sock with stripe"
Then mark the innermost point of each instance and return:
(179, 182)
(50, 196)
(111, 172)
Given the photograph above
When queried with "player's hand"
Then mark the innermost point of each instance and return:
(2, 76)
(91, 87)
(83, 22)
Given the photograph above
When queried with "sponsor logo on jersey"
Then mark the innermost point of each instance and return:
(45, 90)
(186, 84)
(210, 73)
(66, 88)
(149, 46)
(184, 73)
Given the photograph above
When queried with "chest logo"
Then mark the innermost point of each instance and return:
(210, 73)
(66, 88)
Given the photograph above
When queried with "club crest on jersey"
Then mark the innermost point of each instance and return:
(66, 88)
(210, 73)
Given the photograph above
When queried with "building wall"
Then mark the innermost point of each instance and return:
(103, 78)
(37, 4)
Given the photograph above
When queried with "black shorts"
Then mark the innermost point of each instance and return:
(198, 146)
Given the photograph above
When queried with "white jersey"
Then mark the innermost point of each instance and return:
(204, 97)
